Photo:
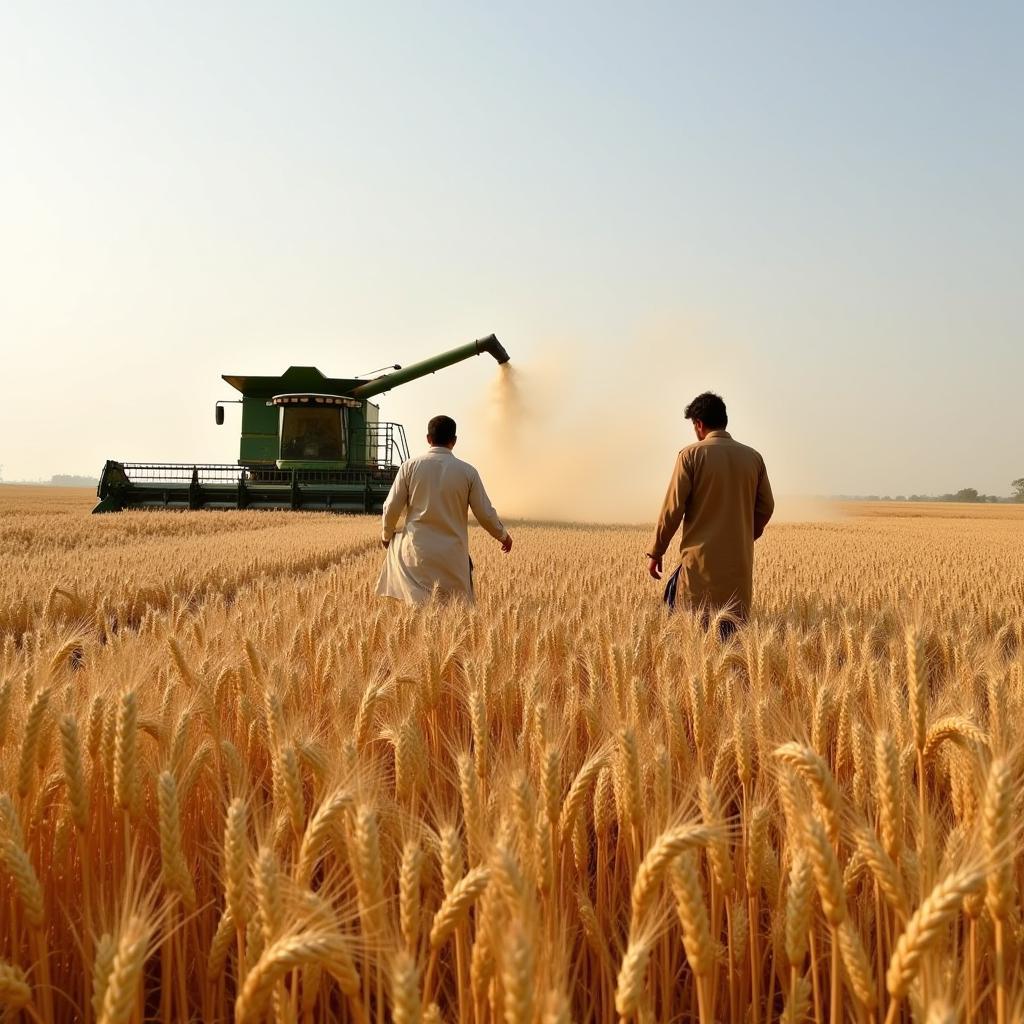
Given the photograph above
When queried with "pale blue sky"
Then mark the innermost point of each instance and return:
(814, 208)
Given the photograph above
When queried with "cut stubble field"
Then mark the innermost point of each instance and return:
(234, 785)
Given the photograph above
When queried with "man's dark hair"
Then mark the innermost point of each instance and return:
(710, 410)
(441, 430)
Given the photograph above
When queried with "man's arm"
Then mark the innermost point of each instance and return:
(673, 508)
(484, 513)
(395, 504)
(764, 503)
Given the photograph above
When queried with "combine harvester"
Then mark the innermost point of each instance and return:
(308, 442)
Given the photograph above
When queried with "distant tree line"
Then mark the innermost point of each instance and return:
(965, 494)
(57, 480)
(72, 480)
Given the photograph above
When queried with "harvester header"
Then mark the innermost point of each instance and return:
(307, 442)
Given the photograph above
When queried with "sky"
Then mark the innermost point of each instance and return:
(814, 209)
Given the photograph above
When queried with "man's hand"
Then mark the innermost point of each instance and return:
(655, 567)
(506, 544)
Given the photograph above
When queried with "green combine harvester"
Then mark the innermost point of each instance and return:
(308, 442)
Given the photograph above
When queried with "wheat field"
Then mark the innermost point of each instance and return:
(235, 786)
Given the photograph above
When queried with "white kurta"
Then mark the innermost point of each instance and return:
(435, 491)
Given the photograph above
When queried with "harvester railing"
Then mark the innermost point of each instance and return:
(384, 444)
(208, 473)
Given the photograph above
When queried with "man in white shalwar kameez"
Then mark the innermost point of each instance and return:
(434, 491)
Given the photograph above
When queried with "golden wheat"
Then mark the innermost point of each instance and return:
(218, 749)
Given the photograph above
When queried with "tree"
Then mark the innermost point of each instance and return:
(1018, 489)
(966, 494)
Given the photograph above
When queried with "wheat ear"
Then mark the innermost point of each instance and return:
(827, 875)
(719, 853)
(291, 788)
(815, 772)
(15, 859)
(858, 968)
(405, 989)
(30, 742)
(627, 779)
(74, 772)
(630, 985)
(926, 926)
(175, 871)
(6, 697)
(996, 824)
(326, 948)
(883, 869)
(662, 852)
(887, 776)
(125, 972)
(916, 687)
(452, 864)
(693, 914)
(366, 865)
(410, 876)
(15, 991)
(517, 976)
(456, 905)
(237, 855)
(957, 729)
(577, 795)
(798, 1002)
(103, 961)
(556, 1009)
(220, 946)
(798, 908)
(268, 894)
(318, 832)
(472, 809)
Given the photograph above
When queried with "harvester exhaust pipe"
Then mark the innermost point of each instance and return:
(379, 385)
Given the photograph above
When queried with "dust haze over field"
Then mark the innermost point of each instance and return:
(548, 461)
(562, 445)
(565, 443)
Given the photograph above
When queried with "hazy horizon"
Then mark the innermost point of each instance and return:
(815, 212)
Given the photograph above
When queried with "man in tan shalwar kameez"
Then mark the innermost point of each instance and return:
(434, 491)
(720, 493)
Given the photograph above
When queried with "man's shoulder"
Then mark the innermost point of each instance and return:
(745, 448)
(431, 458)
(700, 448)
(466, 467)
(752, 452)
(691, 453)
(750, 458)
(409, 467)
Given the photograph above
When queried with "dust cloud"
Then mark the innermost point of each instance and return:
(566, 438)
(554, 450)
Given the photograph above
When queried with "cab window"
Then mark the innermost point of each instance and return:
(312, 434)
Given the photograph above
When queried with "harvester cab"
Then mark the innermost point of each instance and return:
(307, 442)
(313, 431)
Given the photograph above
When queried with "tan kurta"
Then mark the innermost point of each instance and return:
(434, 491)
(720, 494)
